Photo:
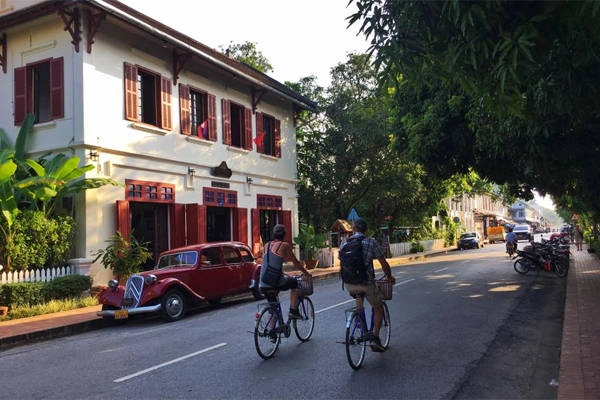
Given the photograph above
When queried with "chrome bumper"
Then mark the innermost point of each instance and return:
(130, 311)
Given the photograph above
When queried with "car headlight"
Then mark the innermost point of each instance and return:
(113, 284)
(150, 279)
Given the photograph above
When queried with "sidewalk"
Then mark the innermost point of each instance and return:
(580, 352)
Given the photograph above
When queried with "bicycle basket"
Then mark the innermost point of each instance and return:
(305, 286)
(385, 287)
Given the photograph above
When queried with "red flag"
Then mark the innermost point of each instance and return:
(203, 130)
(259, 138)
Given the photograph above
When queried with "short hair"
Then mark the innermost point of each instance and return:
(278, 232)
(360, 224)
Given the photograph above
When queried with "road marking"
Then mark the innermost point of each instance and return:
(442, 269)
(176, 360)
(352, 300)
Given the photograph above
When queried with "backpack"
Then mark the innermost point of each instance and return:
(353, 268)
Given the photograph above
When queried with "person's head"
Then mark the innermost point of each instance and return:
(359, 225)
(278, 232)
(510, 229)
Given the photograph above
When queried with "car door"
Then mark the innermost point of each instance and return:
(210, 279)
(235, 264)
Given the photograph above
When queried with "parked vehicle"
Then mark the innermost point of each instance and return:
(182, 277)
(523, 232)
(495, 234)
(549, 256)
(469, 240)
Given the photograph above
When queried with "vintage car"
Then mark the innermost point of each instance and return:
(182, 277)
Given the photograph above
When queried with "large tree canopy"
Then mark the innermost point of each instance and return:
(508, 88)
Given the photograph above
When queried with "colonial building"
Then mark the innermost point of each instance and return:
(204, 146)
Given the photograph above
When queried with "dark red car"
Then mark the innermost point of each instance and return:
(182, 277)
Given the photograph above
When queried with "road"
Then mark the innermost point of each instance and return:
(464, 326)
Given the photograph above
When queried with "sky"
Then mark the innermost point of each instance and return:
(299, 38)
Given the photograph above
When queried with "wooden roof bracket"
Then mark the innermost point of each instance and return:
(257, 95)
(93, 22)
(72, 22)
(179, 61)
(3, 56)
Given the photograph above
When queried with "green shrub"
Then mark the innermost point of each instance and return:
(39, 242)
(67, 287)
(416, 247)
(21, 294)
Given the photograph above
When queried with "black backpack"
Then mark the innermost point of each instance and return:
(353, 268)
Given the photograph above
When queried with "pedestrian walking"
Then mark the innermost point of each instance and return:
(578, 237)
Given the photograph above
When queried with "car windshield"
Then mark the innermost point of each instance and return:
(467, 235)
(521, 228)
(178, 259)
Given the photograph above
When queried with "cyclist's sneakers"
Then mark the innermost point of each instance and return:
(273, 336)
(295, 314)
(376, 345)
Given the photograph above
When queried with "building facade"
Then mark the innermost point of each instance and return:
(204, 146)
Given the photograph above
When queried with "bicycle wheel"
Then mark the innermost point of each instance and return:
(386, 327)
(522, 266)
(356, 343)
(266, 339)
(304, 327)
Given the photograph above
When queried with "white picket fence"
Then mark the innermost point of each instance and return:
(35, 275)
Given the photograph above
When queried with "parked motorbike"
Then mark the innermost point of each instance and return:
(548, 256)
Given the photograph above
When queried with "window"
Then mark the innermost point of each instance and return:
(265, 201)
(268, 135)
(147, 97)
(149, 191)
(39, 90)
(231, 256)
(197, 113)
(219, 197)
(237, 125)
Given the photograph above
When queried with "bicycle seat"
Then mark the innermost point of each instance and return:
(270, 293)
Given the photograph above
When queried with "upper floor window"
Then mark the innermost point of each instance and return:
(197, 113)
(39, 90)
(268, 135)
(147, 97)
(149, 191)
(237, 125)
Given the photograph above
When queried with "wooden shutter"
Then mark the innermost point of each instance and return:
(256, 239)
(212, 117)
(195, 223)
(166, 119)
(20, 98)
(260, 147)
(277, 138)
(184, 109)
(226, 113)
(247, 129)
(57, 109)
(240, 225)
(131, 95)
(177, 225)
(284, 217)
(123, 218)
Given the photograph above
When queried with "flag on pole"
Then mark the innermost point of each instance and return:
(203, 130)
(259, 138)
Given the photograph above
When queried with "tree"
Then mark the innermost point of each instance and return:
(524, 74)
(249, 54)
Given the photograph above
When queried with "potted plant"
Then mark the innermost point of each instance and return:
(123, 256)
(309, 243)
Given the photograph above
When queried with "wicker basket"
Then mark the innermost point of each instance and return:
(385, 287)
(305, 286)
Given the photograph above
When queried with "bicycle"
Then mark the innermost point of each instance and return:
(270, 325)
(359, 333)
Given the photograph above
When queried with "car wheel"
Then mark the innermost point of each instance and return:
(173, 305)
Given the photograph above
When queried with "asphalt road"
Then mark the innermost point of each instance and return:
(464, 326)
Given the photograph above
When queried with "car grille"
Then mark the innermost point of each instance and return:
(133, 291)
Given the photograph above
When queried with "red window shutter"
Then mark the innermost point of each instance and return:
(57, 101)
(212, 117)
(226, 112)
(260, 131)
(177, 222)
(285, 218)
(202, 224)
(165, 103)
(131, 96)
(240, 225)
(277, 138)
(123, 218)
(184, 109)
(196, 223)
(20, 94)
(247, 129)
(256, 239)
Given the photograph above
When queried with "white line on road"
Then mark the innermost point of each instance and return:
(403, 282)
(125, 378)
(442, 269)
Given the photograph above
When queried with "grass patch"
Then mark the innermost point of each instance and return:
(50, 307)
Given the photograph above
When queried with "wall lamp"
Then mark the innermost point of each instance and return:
(94, 156)
(191, 172)
(248, 180)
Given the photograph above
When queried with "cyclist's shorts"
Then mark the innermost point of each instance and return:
(287, 282)
(370, 290)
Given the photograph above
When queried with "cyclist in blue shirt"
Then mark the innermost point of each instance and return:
(511, 240)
